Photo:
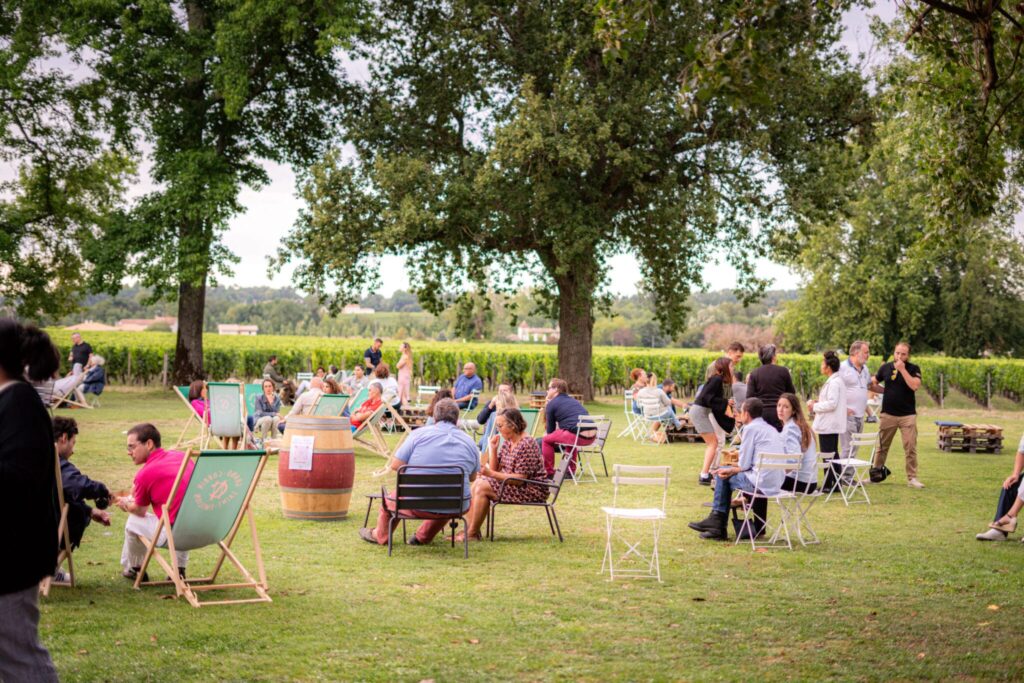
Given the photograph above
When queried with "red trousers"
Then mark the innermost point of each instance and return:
(433, 525)
(560, 436)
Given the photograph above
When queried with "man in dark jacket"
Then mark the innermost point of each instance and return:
(78, 488)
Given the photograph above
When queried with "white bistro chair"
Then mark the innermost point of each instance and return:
(634, 423)
(853, 472)
(584, 470)
(651, 412)
(788, 503)
(650, 568)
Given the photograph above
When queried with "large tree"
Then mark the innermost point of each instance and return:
(67, 181)
(494, 141)
(211, 88)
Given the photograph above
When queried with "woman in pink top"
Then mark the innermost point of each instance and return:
(197, 397)
(404, 374)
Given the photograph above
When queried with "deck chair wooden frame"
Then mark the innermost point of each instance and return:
(358, 399)
(532, 417)
(52, 400)
(201, 441)
(189, 588)
(369, 436)
(63, 538)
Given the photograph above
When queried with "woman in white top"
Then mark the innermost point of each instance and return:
(659, 402)
(830, 412)
(799, 440)
(389, 386)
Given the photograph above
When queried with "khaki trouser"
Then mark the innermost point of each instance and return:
(907, 425)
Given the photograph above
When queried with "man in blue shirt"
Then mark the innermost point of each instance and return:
(465, 385)
(441, 443)
(371, 356)
(757, 437)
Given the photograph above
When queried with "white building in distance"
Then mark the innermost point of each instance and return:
(238, 330)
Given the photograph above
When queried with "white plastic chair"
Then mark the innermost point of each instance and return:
(853, 472)
(787, 463)
(627, 475)
(651, 411)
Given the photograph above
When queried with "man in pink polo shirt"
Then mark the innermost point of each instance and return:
(153, 483)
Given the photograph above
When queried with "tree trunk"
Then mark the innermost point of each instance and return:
(188, 353)
(575, 342)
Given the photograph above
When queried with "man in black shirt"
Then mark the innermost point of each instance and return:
(80, 351)
(371, 357)
(897, 381)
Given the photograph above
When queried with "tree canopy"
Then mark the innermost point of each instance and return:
(494, 141)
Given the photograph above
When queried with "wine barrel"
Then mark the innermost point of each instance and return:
(324, 492)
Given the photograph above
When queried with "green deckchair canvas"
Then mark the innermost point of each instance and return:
(227, 410)
(359, 399)
(530, 415)
(330, 405)
(251, 392)
(217, 496)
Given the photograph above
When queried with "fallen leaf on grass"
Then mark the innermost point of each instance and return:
(673, 625)
(427, 680)
(921, 655)
(117, 643)
(984, 623)
(83, 652)
(761, 550)
(994, 608)
(152, 639)
(548, 612)
(452, 616)
(474, 641)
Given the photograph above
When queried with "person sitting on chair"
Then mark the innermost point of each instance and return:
(439, 444)
(669, 387)
(305, 384)
(77, 488)
(331, 386)
(562, 414)
(758, 437)
(197, 398)
(66, 385)
(465, 385)
(158, 469)
(666, 413)
(438, 395)
(370, 405)
(95, 376)
(503, 400)
(1010, 502)
(389, 386)
(285, 386)
(266, 416)
(512, 460)
(357, 381)
(305, 403)
(798, 438)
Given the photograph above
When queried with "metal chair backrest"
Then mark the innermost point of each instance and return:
(226, 406)
(560, 474)
(641, 475)
(438, 488)
(650, 407)
(426, 391)
(304, 376)
(789, 463)
(216, 496)
(330, 405)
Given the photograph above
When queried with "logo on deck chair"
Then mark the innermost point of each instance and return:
(217, 489)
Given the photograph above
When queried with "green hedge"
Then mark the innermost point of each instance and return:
(138, 357)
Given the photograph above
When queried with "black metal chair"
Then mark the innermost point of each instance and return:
(554, 485)
(434, 488)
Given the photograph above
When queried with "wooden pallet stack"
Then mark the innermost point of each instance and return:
(415, 415)
(970, 438)
(686, 434)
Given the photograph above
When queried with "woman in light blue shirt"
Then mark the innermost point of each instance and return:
(799, 439)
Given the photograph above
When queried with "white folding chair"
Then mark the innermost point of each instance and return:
(604, 428)
(651, 412)
(803, 504)
(854, 472)
(632, 419)
(471, 404)
(584, 470)
(787, 463)
(650, 567)
(425, 392)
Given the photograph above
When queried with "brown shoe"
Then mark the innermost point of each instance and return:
(368, 536)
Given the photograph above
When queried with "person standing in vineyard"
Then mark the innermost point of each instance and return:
(404, 368)
(371, 356)
(901, 380)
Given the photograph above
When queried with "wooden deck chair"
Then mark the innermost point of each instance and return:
(369, 435)
(52, 399)
(252, 391)
(217, 496)
(227, 412)
(532, 417)
(330, 405)
(203, 438)
(358, 400)
(63, 538)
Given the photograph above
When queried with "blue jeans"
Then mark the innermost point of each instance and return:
(1006, 500)
(669, 417)
(725, 487)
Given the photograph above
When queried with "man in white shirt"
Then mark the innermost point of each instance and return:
(857, 378)
(304, 404)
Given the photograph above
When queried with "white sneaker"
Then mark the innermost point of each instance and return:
(915, 484)
(992, 535)
(60, 576)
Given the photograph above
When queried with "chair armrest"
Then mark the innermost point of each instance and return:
(540, 482)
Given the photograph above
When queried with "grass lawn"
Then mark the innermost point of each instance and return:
(897, 590)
